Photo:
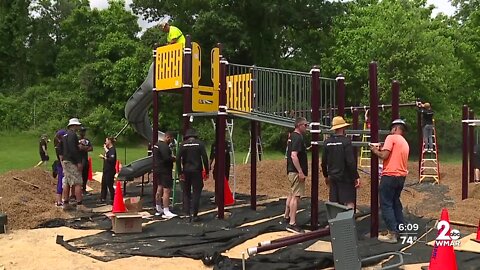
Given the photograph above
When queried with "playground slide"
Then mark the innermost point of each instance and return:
(136, 112)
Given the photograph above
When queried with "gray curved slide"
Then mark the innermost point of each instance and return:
(136, 112)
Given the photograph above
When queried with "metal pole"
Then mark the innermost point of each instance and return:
(154, 141)
(221, 125)
(471, 144)
(465, 153)
(395, 100)
(253, 165)
(154, 129)
(420, 141)
(187, 81)
(315, 130)
(355, 149)
(374, 125)
(295, 236)
(302, 238)
(341, 94)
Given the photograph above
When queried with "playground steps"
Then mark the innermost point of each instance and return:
(365, 153)
(429, 165)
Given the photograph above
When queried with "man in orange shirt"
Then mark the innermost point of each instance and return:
(394, 154)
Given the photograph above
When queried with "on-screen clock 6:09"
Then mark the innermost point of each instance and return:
(408, 227)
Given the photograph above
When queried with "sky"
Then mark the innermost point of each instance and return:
(442, 6)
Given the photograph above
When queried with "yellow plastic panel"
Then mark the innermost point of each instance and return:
(239, 92)
(205, 99)
(196, 64)
(169, 67)
(215, 74)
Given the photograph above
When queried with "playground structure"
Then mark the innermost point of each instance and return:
(258, 94)
(468, 142)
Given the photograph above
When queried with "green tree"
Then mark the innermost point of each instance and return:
(14, 30)
(409, 45)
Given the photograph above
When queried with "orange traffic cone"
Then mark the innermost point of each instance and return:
(443, 256)
(227, 194)
(478, 233)
(118, 166)
(118, 203)
(90, 174)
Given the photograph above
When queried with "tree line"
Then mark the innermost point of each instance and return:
(60, 59)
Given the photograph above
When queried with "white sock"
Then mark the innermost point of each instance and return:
(159, 208)
(166, 210)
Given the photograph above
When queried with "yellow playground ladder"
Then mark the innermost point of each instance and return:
(365, 152)
(429, 165)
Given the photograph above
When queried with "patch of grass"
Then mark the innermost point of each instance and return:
(21, 151)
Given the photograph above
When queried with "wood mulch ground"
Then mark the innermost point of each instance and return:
(27, 206)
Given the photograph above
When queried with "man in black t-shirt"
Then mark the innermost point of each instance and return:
(42, 148)
(339, 166)
(164, 159)
(72, 165)
(297, 170)
(85, 146)
(191, 160)
(427, 124)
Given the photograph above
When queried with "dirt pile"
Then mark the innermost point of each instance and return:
(28, 198)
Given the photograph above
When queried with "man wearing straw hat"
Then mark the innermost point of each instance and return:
(339, 167)
(72, 165)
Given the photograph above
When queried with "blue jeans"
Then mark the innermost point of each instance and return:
(390, 189)
(428, 136)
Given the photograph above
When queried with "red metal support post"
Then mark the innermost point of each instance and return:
(220, 139)
(471, 145)
(340, 94)
(253, 165)
(465, 153)
(374, 126)
(315, 131)
(154, 128)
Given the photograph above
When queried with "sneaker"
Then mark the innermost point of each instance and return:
(58, 204)
(294, 228)
(286, 220)
(390, 237)
(159, 213)
(168, 214)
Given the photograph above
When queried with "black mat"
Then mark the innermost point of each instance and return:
(207, 239)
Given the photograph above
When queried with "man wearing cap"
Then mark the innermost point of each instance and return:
(164, 159)
(192, 159)
(85, 146)
(297, 170)
(394, 154)
(339, 166)
(427, 122)
(174, 34)
(72, 165)
(43, 150)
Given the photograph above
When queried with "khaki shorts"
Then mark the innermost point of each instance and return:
(72, 175)
(297, 187)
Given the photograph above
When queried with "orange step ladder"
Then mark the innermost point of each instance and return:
(429, 165)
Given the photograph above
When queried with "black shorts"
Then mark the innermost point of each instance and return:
(342, 192)
(44, 157)
(165, 180)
